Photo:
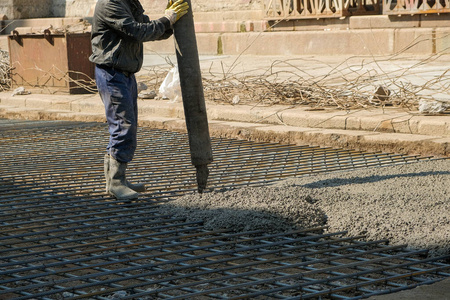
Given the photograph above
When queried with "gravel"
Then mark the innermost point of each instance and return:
(407, 204)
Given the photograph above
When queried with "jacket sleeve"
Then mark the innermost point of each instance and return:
(167, 34)
(119, 17)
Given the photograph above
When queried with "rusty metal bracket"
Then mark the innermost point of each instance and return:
(16, 36)
(48, 36)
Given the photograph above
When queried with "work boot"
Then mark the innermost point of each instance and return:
(138, 187)
(106, 169)
(118, 183)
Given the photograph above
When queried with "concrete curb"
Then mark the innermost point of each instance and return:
(389, 130)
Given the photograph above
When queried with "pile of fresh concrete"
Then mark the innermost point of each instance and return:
(407, 204)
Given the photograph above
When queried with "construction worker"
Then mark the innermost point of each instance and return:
(118, 31)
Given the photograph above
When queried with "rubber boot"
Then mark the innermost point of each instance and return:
(118, 183)
(139, 187)
(106, 169)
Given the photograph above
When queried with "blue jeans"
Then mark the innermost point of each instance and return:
(119, 95)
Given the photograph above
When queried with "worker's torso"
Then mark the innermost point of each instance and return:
(110, 44)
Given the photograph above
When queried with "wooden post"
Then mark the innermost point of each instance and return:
(193, 97)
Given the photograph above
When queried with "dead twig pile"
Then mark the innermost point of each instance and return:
(5, 80)
(356, 83)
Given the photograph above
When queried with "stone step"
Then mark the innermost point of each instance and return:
(389, 41)
(419, 41)
(220, 16)
(244, 21)
(232, 34)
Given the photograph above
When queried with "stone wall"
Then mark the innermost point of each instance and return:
(27, 9)
(74, 8)
(155, 6)
(7, 8)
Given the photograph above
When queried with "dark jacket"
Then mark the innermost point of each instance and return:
(118, 31)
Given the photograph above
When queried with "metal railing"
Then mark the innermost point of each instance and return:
(317, 9)
(400, 7)
(311, 9)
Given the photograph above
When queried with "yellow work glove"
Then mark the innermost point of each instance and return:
(176, 10)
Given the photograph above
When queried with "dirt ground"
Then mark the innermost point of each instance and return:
(407, 204)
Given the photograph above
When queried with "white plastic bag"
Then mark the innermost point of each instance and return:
(20, 91)
(170, 87)
(432, 107)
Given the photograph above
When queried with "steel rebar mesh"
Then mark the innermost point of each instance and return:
(62, 237)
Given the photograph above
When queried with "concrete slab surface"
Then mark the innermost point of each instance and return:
(375, 129)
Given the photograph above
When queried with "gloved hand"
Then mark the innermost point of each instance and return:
(176, 10)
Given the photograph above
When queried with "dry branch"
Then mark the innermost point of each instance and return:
(5, 80)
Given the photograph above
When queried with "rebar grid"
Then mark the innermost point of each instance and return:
(62, 237)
